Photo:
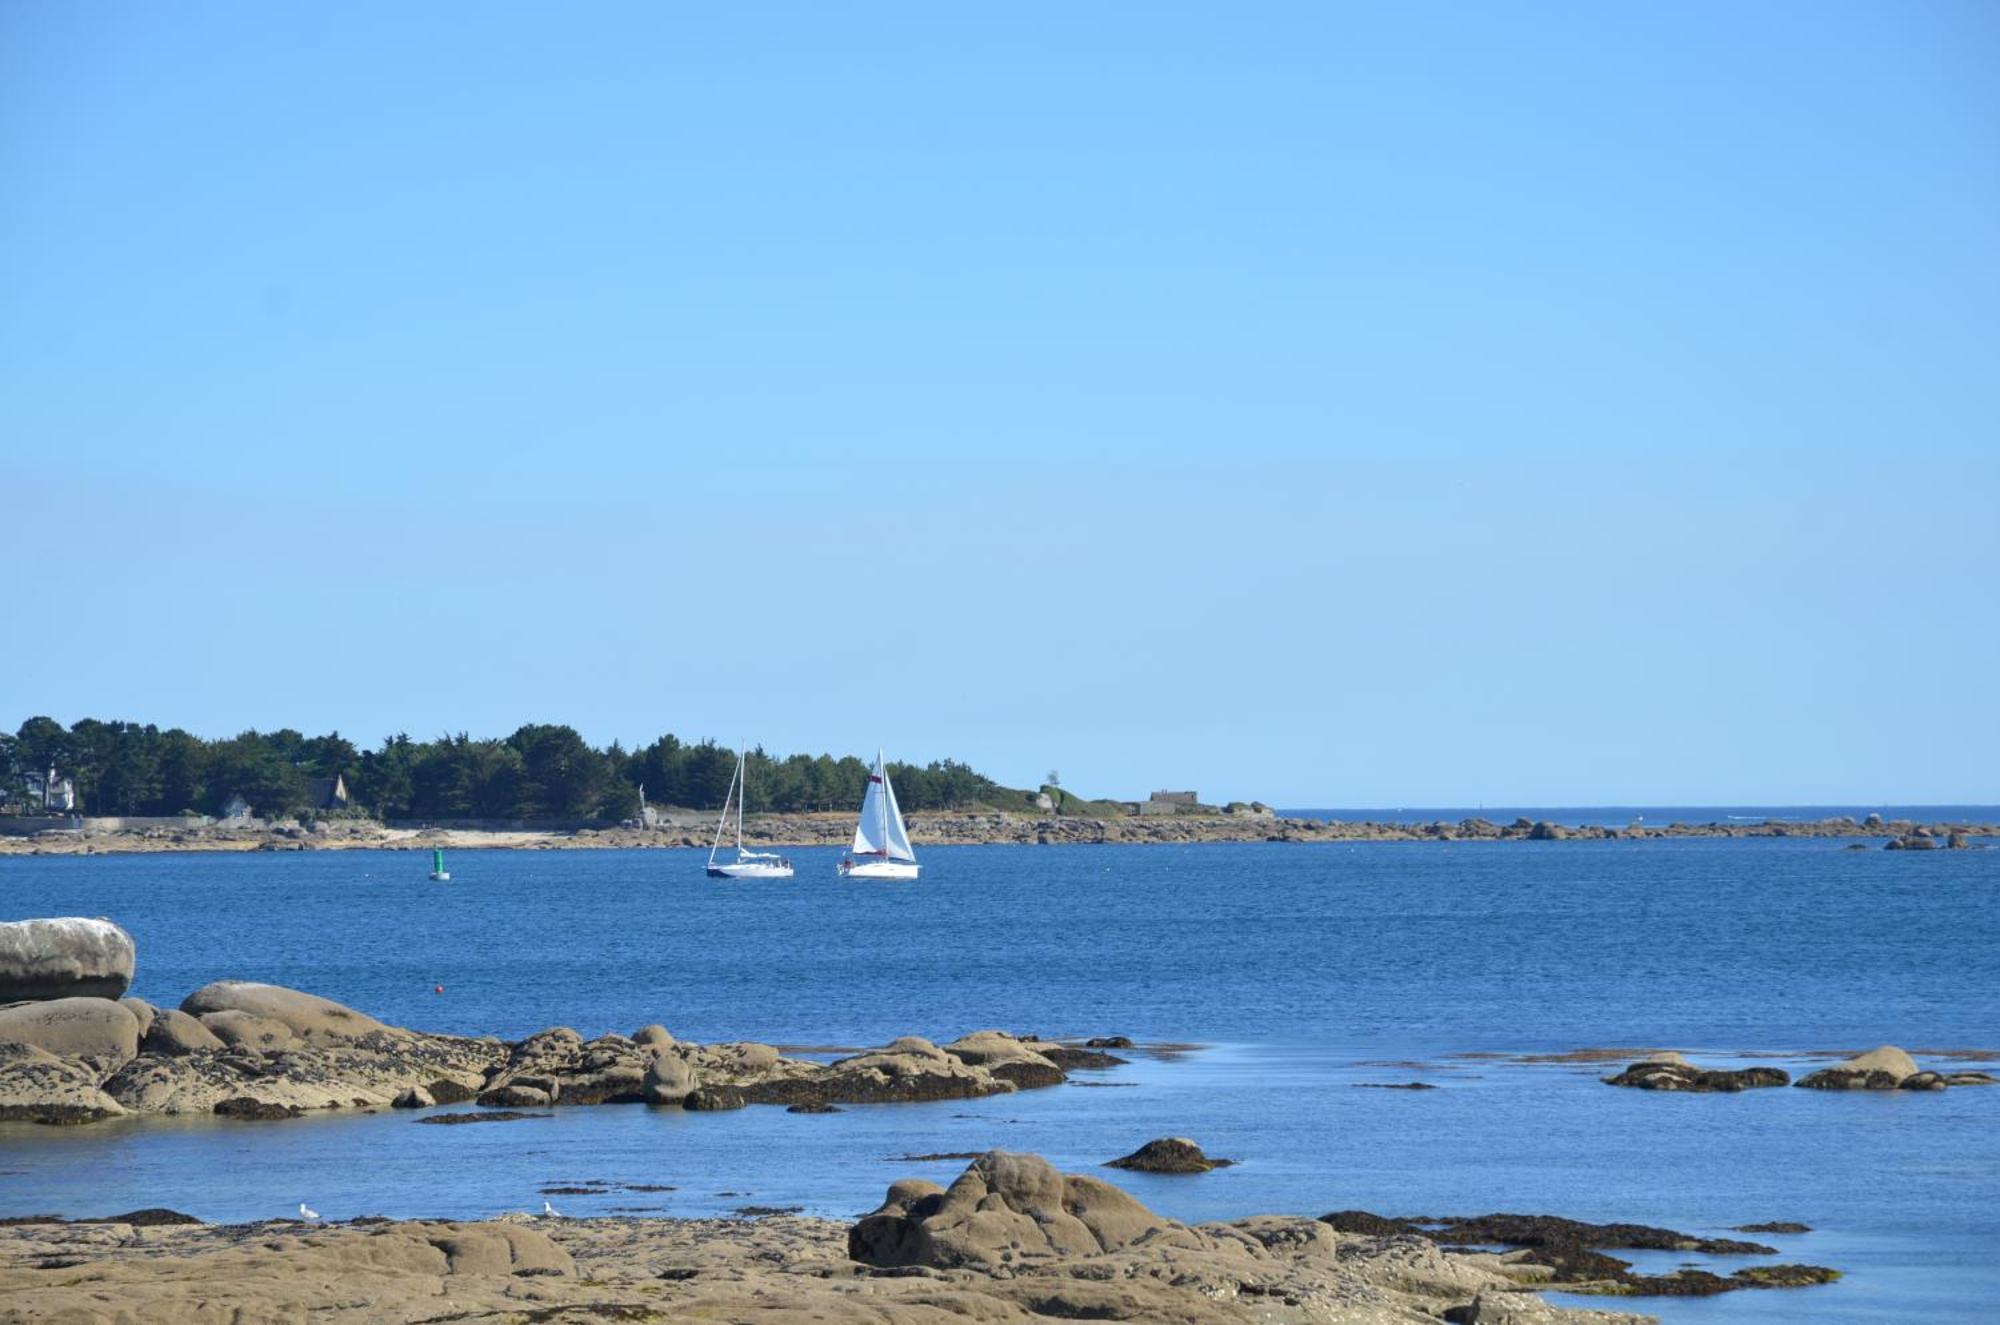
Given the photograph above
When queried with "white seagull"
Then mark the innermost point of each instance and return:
(550, 1212)
(307, 1212)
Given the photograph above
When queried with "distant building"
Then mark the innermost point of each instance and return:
(1044, 801)
(1169, 802)
(327, 793)
(45, 793)
(236, 809)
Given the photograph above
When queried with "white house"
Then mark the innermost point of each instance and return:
(48, 794)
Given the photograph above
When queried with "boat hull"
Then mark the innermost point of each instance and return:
(750, 871)
(877, 869)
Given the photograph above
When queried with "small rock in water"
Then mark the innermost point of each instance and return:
(492, 1116)
(245, 1106)
(1169, 1154)
(1775, 1226)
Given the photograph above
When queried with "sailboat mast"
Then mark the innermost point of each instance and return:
(742, 792)
(882, 802)
(722, 824)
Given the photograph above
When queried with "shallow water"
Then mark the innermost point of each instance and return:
(1296, 965)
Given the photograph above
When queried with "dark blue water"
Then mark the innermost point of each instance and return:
(1617, 816)
(1300, 967)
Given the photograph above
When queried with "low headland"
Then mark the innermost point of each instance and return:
(124, 786)
(977, 827)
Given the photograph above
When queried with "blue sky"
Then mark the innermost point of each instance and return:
(1409, 404)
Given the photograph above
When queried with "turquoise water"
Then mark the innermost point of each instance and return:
(1296, 966)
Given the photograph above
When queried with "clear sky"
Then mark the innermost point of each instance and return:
(1401, 404)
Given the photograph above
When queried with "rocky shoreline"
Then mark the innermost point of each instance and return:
(981, 829)
(254, 1051)
(1011, 1240)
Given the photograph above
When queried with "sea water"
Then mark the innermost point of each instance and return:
(1302, 972)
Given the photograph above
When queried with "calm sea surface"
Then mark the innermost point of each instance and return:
(1304, 970)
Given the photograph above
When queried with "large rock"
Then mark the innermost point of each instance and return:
(670, 1080)
(1007, 1210)
(145, 1013)
(174, 1033)
(308, 1017)
(99, 1031)
(1886, 1068)
(1007, 1057)
(70, 957)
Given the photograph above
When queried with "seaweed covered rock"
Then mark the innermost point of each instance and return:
(238, 1029)
(1168, 1154)
(1677, 1074)
(1567, 1252)
(908, 1070)
(38, 1087)
(1885, 1068)
(714, 1099)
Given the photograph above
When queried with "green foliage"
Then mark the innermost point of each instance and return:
(541, 771)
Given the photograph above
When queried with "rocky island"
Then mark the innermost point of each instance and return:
(245, 1050)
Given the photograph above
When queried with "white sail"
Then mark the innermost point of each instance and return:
(880, 831)
(899, 836)
(869, 837)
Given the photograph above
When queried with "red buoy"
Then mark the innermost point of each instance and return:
(437, 989)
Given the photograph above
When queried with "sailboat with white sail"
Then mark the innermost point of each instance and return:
(748, 864)
(881, 847)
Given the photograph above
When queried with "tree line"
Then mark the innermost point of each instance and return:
(539, 772)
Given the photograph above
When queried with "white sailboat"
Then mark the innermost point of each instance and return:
(881, 844)
(748, 864)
